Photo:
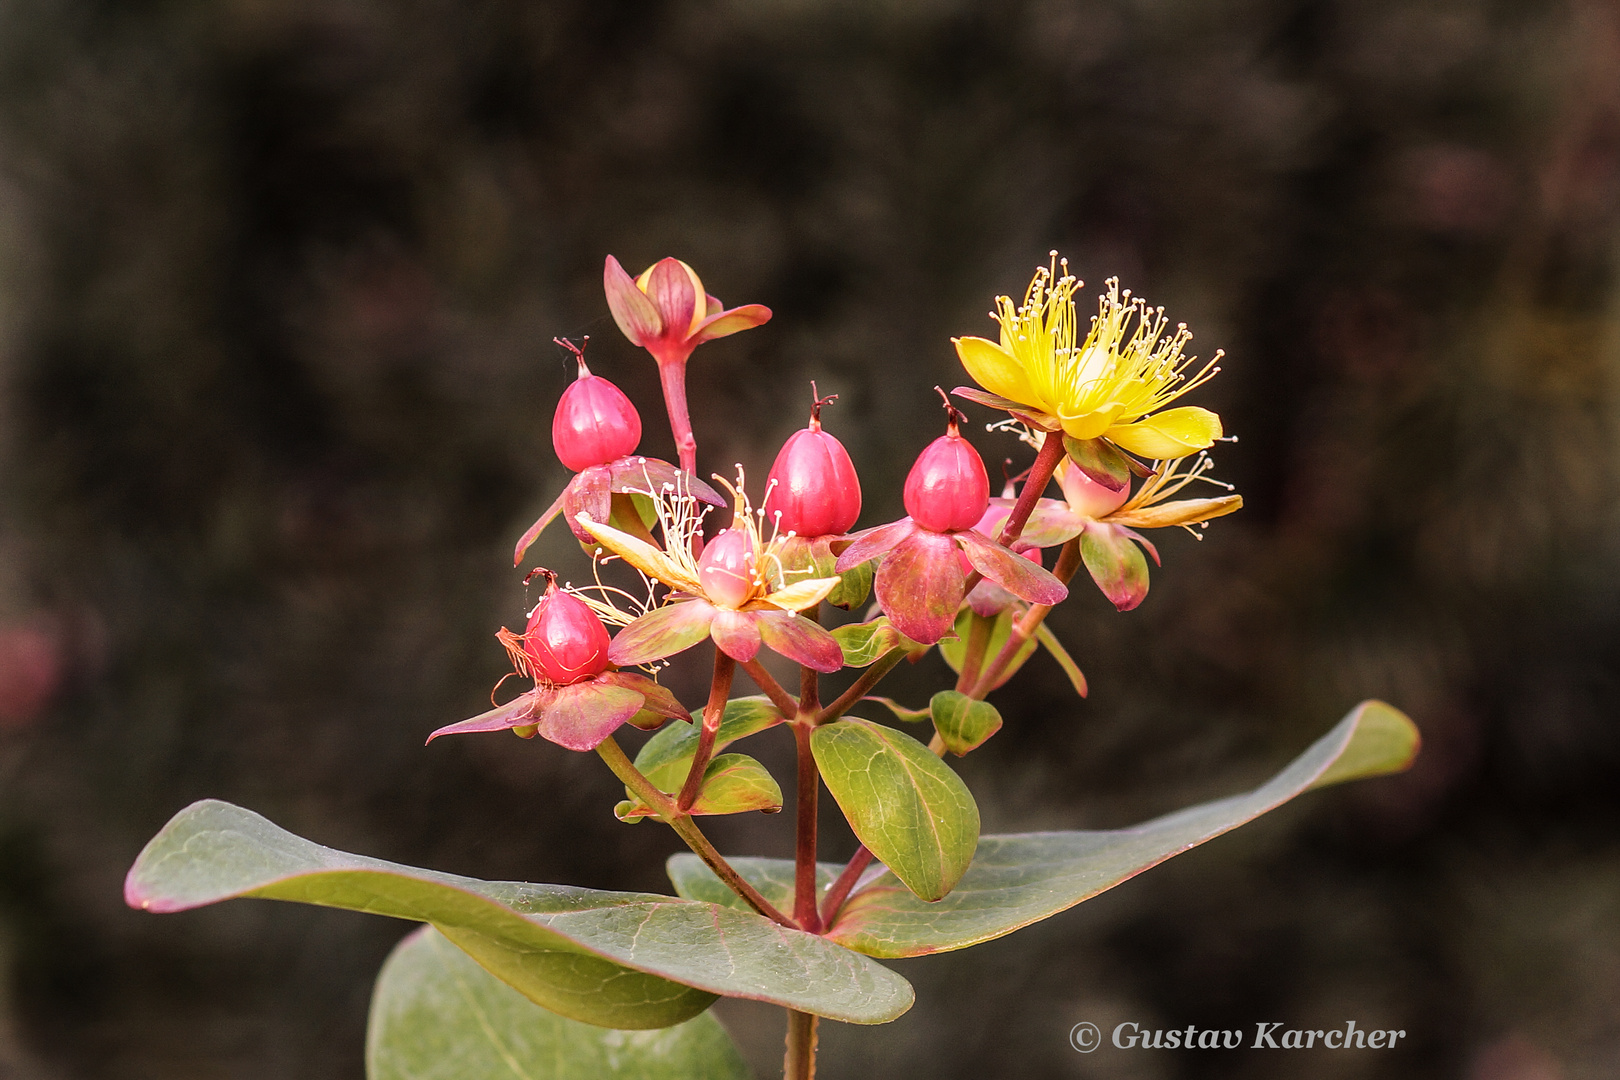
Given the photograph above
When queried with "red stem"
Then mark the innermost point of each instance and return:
(804, 854)
(713, 712)
(1040, 474)
(836, 895)
(779, 697)
(672, 375)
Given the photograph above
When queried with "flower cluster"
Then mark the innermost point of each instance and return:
(1091, 400)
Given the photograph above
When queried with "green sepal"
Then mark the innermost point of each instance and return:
(1115, 563)
(1099, 460)
(437, 1015)
(907, 806)
(963, 723)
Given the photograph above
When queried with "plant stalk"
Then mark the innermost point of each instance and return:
(1040, 474)
(862, 686)
(770, 687)
(804, 848)
(839, 891)
(672, 376)
(800, 1062)
(713, 713)
(611, 752)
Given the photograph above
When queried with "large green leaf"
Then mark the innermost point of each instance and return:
(1024, 878)
(437, 1015)
(905, 804)
(630, 960)
(1021, 879)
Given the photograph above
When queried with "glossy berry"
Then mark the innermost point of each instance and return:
(565, 641)
(812, 489)
(948, 489)
(595, 423)
(726, 570)
(1084, 495)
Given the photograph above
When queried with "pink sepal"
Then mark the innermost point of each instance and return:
(662, 632)
(868, 544)
(1017, 575)
(920, 586)
(799, 639)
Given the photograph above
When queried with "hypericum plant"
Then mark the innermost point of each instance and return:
(557, 981)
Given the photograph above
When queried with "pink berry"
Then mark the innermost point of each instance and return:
(947, 489)
(595, 423)
(726, 570)
(565, 641)
(812, 489)
(1084, 495)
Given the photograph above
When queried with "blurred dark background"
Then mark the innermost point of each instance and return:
(277, 284)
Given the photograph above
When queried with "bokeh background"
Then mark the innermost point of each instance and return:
(278, 280)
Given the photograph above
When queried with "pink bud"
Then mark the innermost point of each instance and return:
(726, 570)
(565, 641)
(812, 485)
(1084, 495)
(948, 489)
(595, 423)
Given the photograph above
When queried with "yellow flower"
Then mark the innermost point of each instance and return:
(1109, 385)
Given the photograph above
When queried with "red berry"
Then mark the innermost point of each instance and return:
(947, 489)
(565, 641)
(595, 423)
(726, 570)
(812, 489)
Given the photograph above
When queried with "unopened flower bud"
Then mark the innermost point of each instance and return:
(565, 641)
(948, 489)
(1084, 495)
(812, 489)
(595, 423)
(726, 570)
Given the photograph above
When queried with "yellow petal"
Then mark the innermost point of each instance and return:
(641, 555)
(994, 368)
(1174, 433)
(802, 594)
(1092, 424)
(1182, 512)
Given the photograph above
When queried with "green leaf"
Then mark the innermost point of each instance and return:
(905, 804)
(953, 650)
(437, 1015)
(772, 877)
(631, 960)
(732, 784)
(1020, 879)
(864, 642)
(1077, 678)
(910, 716)
(667, 757)
(854, 586)
(963, 724)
